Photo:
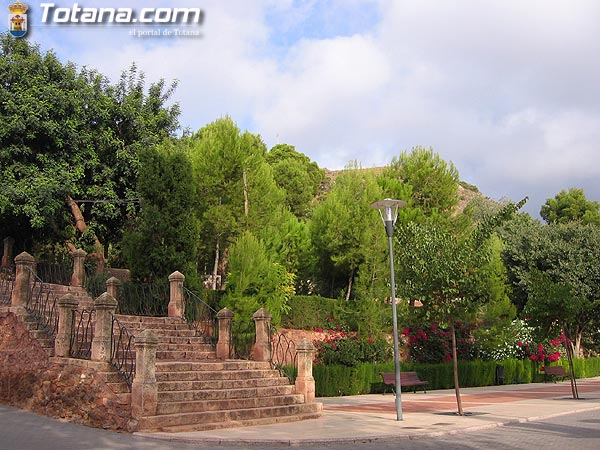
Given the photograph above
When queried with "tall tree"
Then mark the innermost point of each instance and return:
(166, 235)
(341, 225)
(571, 205)
(297, 175)
(434, 181)
(236, 188)
(444, 269)
(68, 134)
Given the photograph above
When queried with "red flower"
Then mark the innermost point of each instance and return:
(542, 368)
(319, 330)
(448, 357)
(433, 326)
(411, 339)
(533, 357)
(406, 331)
(370, 340)
(519, 344)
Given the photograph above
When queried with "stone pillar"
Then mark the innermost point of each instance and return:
(144, 389)
(176, 300)
(225, 317)
(7, 256)
(112, 287)
(66, 306)
(105, 307)
(305, 383)
(21, 290)
(262, 344)
(78, 277)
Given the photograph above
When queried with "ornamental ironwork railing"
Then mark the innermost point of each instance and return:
(144, 299)
(7, 283)
(243, 335)
(55, 272)
(200, 315)
(82, 334)
(283, 354)
(43, 305)
(122, 353)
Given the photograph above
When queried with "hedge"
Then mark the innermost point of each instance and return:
(308, 312)
(336, 380)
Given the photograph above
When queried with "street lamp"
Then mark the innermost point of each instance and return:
(388, 209)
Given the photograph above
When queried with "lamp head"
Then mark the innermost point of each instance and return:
(388, 209)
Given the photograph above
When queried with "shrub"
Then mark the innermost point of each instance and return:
(341, 348)
(307, 312)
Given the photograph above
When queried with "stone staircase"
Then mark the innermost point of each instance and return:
(198, 392)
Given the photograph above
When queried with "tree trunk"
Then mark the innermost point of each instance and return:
(82, 227)
(455, 364)
(245, 193)
(215, 266)
(350, 285)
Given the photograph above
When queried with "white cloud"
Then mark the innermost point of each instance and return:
(506, 90)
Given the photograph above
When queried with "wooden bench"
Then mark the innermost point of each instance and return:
(554, 372)
(406, 379)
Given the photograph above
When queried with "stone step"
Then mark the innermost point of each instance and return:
(228, 404)
(224, 394)
(185, 355)
(217, 374)
(195, 366)
(168, 339)
(171, 386)
(194, 347)
(217, 419)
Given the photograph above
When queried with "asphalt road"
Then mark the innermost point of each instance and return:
(20, 430)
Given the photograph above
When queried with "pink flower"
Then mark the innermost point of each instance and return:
(533, 357)
(319, 330)
(370, 340)
(433, 326)
(448, 357)
(519, 344)
(542, 368)
(406, 331)
(411, 339)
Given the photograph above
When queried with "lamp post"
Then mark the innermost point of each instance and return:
(388, 209)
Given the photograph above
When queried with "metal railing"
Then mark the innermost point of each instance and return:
(95, 282)
(55, 272)
(283, 354)
(7, 283)
(43, 305)
(200, 316)
(122, 355)
(243, 335)
(82, 334)
(144, 299)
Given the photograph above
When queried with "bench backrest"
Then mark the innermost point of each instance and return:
(555, 370)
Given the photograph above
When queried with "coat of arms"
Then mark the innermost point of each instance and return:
(17, 19)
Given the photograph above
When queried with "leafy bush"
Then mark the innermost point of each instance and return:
(307, 312)
(341, 348)
(432, 343)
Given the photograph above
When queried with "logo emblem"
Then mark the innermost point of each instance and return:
(17, 19)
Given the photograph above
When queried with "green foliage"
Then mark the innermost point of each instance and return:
(345, 349)
(434, 182)
(335, 380)
(571, 205)
(256, 281)
(307, 312)
(68, 132)
(431, 343)
(343, 227)
(297, 176)
(165, 236)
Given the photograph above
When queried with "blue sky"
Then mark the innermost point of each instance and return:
(506, 90)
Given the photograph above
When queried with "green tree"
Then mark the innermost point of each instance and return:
(443, 268)
(236, 189)
(571, 205)
(68, 134)
(166, 234)
(434, 181)
(256, 280)
(341, 226)
(297, 176)
(553, 258)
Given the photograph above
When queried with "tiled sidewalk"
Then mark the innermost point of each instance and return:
(373, 417)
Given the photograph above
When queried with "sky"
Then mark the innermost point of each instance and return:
(507, 90)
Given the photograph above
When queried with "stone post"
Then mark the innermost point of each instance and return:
(21, 290)
(105, 307)
(176, 300)
(112, 287)
(225, 318)
(305, 383)
(7, 256)
(78, 277)
(66, 306)
(144, 389)
(262, 344)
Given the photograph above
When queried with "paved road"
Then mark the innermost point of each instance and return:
(21, 430)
